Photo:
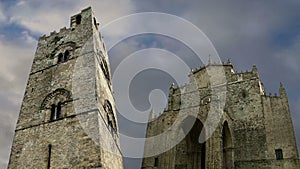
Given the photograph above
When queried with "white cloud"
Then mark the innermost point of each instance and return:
(14, 70)
(49, 16)
(42, 19)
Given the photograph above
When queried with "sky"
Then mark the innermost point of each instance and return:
(264, 33)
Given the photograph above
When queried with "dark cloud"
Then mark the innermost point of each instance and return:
(264, 33)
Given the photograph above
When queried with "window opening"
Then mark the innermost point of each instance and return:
(78, 19)
(67, 55)
(279, 154)
(60, 58)
(156, 162)
(58, 111)
(52, 116)
(49, 156)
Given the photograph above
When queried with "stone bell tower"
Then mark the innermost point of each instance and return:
(67, 118)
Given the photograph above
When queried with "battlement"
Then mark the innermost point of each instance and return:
(54, 33)
(83, 26)
(215, 74)
(85, 18)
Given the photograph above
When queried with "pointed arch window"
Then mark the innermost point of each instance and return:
(227, 147)
(60, 58)
(66, 55)
(63, 57)
(110, 116)
(56, 111)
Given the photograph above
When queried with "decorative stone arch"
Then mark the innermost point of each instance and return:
(63, 51)
(52, 105)
(111, 120)
(59, 95)
(227, 146)
(190, 151)
(104, 68)
(210, 99)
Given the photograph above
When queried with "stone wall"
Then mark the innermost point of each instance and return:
(257, 124)
(71, 71)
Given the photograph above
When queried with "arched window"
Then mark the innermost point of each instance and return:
(58, 110)
(227, 147)
(60, 58)
(110, 116)
(104, 68)
(53, 103)
(191, 151)
(78, 19)
(67, 55)
(52, 116)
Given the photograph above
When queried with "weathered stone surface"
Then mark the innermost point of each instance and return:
(253, 125)
(70, 73)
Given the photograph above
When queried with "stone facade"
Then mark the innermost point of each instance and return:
(255, 130)
(67, 118)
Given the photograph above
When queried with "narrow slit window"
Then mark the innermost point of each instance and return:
(156, 162)
(52, 116)
(78, 19)
(95, 23)
(279, 154)
(49, 156)
(58, 111)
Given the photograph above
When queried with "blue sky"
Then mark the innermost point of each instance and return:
(265, 33)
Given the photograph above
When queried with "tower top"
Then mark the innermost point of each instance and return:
(68, 104)
(82, 21)
(78, 18)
